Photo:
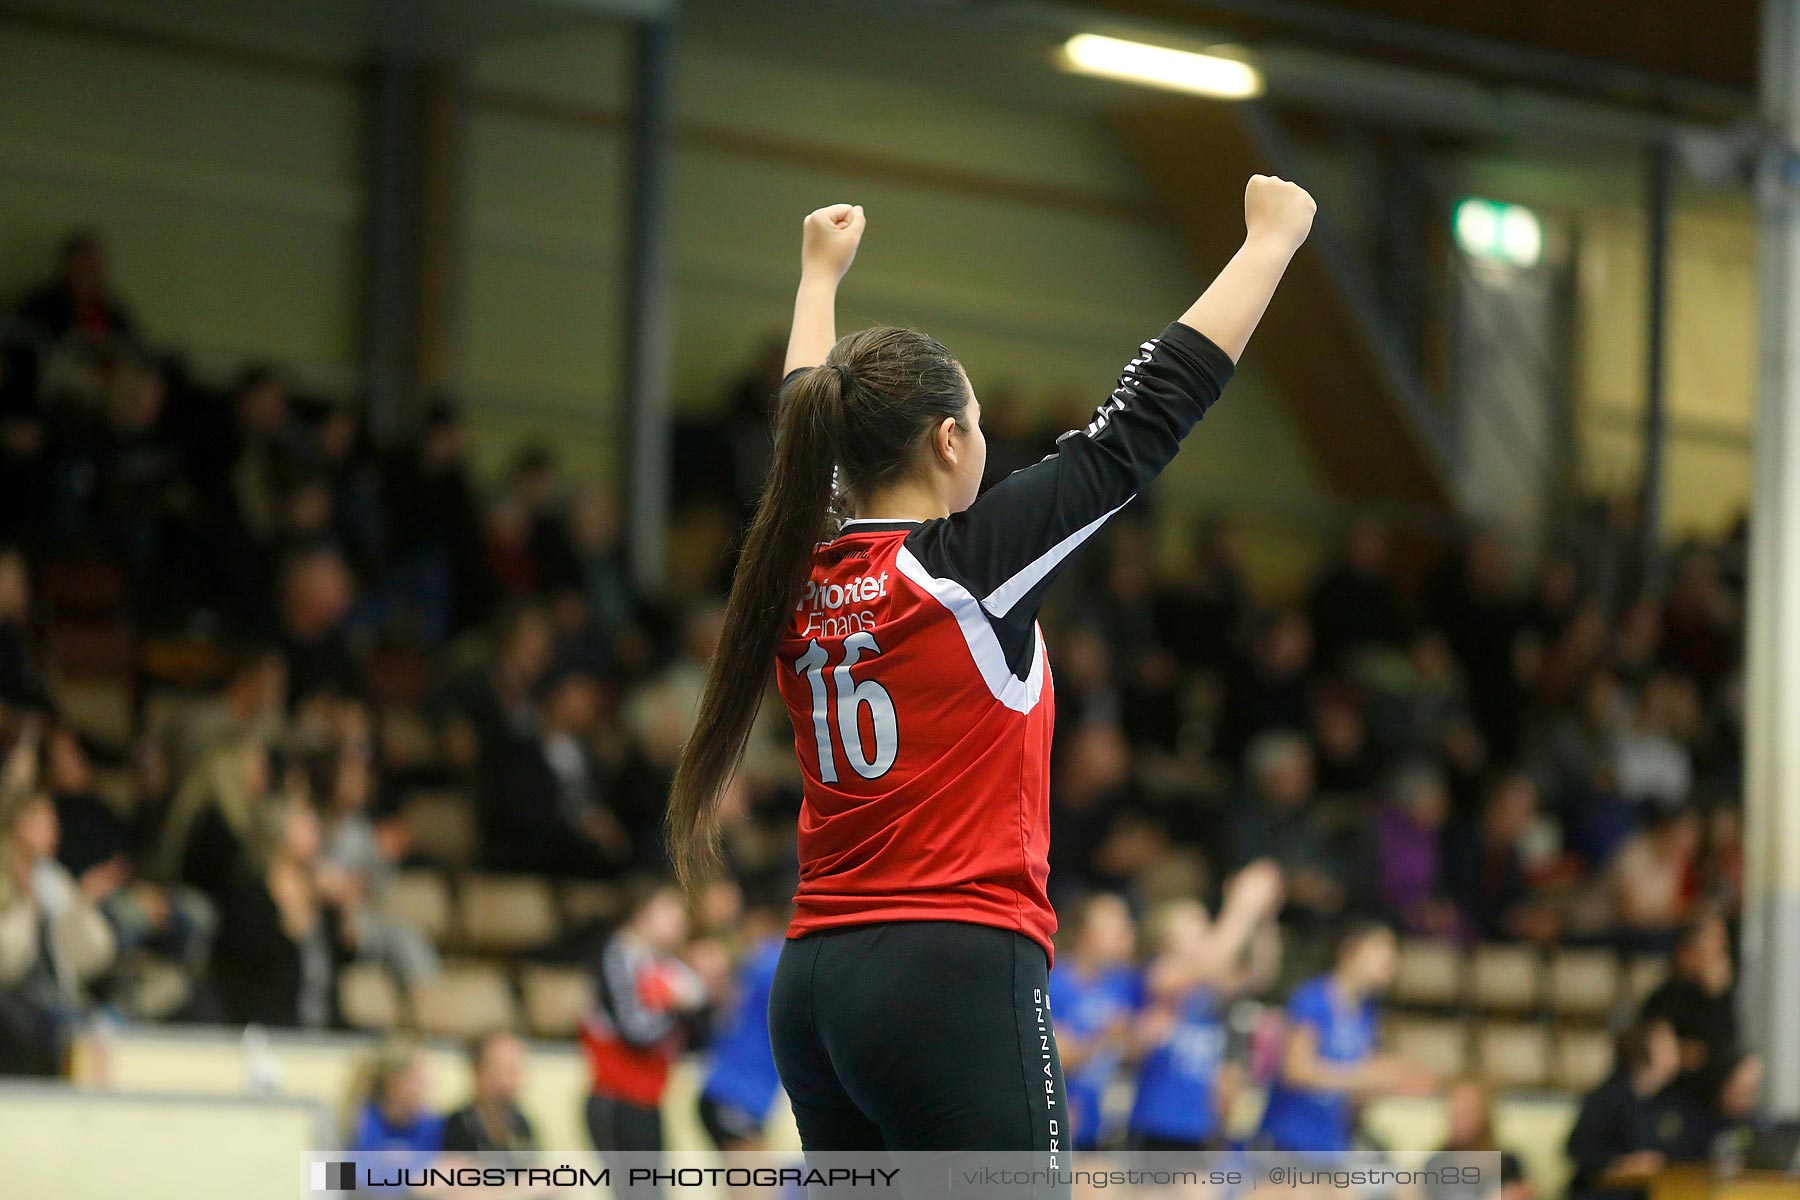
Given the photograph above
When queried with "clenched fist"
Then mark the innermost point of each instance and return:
(1277, 209)
(1259, 887)
(828, 241)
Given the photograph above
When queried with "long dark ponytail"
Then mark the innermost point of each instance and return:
(865, 409)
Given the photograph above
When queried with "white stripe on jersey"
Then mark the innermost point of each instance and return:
(1000, 601)
(1020, 695)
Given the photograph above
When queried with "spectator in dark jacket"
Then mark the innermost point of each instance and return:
(316, 595)
(1354, 605)
(1699, 1003)
(22, 683)
(1615, 1145)
(275, 960)
(492, 1124)
(1278, 819)
(543, 803)
(1485, 869)
(79, 300)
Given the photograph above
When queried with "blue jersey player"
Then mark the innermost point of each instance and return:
(1183, 1090)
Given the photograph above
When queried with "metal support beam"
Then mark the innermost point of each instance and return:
(442, 212)
(1770, 990)
(1660, 202)
(389, 249)
(647, 302)
(413, 245)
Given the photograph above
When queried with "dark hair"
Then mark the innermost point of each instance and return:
(1633, 1046)
(1704, 920)
(77, 241)
(862, 413)
(1359, 931)
(475, 1048)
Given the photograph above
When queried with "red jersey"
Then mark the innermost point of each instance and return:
(915, 674)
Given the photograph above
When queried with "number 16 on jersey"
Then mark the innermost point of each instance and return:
(851, 696)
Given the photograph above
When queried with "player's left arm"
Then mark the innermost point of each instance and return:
(1007, 547)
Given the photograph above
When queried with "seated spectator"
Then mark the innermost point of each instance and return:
(136, 495)
(492, 1125)
(1409, 866)
(54, 941)
(1471, 599)
(605, 577)
(1653, 761)
(211, 817)
(315, 599)
(1271, 691)
(1484, 865)
(342, 462)
(1204, 614)
(391, 1128)
(276, 960)
(1699, 1002)
(1421, 708)
(492, 705)
(436, 564)
(267, 444)
(22, 683)
(1719, 873)
(1646, 885)
(1616, 1146)
(543, 805)
(356, 863)
(250, 706)
(1469, 1110)
(1354, 605)
(174, 923)
(1347, 760)
(1278, 820)
(79, 300)
(1699, 620)
(1089, 806)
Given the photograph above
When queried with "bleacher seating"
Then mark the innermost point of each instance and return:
(1583, 1058)
(555, 999)
(98, 708)
(443, 827)
(1514, 1054)
(368, 998)
(1430, 973)
(421, 899)
(465, 1000)
(499, 914)
(1505, 977)
(1439, 1045)
(1584, 983)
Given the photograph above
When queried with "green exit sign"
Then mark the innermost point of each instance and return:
(1500, 233)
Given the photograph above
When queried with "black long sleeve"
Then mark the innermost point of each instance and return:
(1009, 544)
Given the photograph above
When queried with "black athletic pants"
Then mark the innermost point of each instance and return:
(927, 1037)
(621, 1126)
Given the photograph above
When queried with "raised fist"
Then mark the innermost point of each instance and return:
(829, 238)
(1278, 209)
(1259, 887)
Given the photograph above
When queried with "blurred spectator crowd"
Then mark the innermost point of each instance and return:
(281, 708)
